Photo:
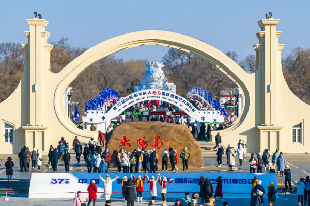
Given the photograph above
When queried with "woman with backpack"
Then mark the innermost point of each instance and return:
(266, 158)
(9, 168)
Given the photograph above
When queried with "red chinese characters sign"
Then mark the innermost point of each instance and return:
(124, 142)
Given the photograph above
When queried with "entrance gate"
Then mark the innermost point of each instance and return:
(36, 113)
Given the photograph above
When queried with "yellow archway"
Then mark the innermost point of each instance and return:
(153, 37)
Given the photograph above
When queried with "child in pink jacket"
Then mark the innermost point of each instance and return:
(79, 199)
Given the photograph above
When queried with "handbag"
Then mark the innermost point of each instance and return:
(82, 204)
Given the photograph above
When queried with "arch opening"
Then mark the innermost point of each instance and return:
(162, 38)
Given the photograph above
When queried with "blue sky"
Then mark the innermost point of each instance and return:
(227, 25)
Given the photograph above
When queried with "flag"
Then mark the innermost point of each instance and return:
(76, 114)
(86, 107)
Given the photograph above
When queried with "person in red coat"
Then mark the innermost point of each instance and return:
(176, 159)
(92, 192)
(139, 186)
(101, 138)
(219, 188)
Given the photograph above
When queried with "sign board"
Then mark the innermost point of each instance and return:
(64, 185)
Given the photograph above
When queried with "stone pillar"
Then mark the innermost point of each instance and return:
(268, 59)
(37, 64)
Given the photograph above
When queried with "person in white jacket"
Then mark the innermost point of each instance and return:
(108, 186)
(153, 187)
(125, 162)
(39, 159)
(163, 187)
(300, 189)
(97, 163)
(241, 154)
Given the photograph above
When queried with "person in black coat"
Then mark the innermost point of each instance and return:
(208, 189)
(258, 192)
(153, 162)
(23, 160)
(201, 191)
(98, 149)
(130, 196)
(172, 158)
(55, 158)
(202, 132)
(145, 161)
(85, 152)
(50, 155)
(67, 158)
(9, 168)
(208, 132)
(219, 154)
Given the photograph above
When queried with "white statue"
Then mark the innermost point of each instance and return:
(155, 78)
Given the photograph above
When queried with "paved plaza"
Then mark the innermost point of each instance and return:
(298, 164)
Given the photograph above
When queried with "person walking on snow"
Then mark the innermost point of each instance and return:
(108, 186)
(163, 187)
(139, 186)
(153, 187)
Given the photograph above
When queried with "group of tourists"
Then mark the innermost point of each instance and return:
(147, 160)
(25, 157)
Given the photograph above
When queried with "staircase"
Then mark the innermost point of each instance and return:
(20, 187)
(206, 148)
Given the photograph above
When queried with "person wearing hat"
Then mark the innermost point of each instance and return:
(79, 199)
(9, 168)
(139, 186)
(108, 185)
(288, 177)
(185, 155)
(201, 191)
(92, 193)
(163, 187)
(123, 182)
(271, 193)
(219, 188)
(300, 189)
(153, 186)
(258, 193)
(186, 200)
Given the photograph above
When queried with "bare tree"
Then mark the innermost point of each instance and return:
(249, 63)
